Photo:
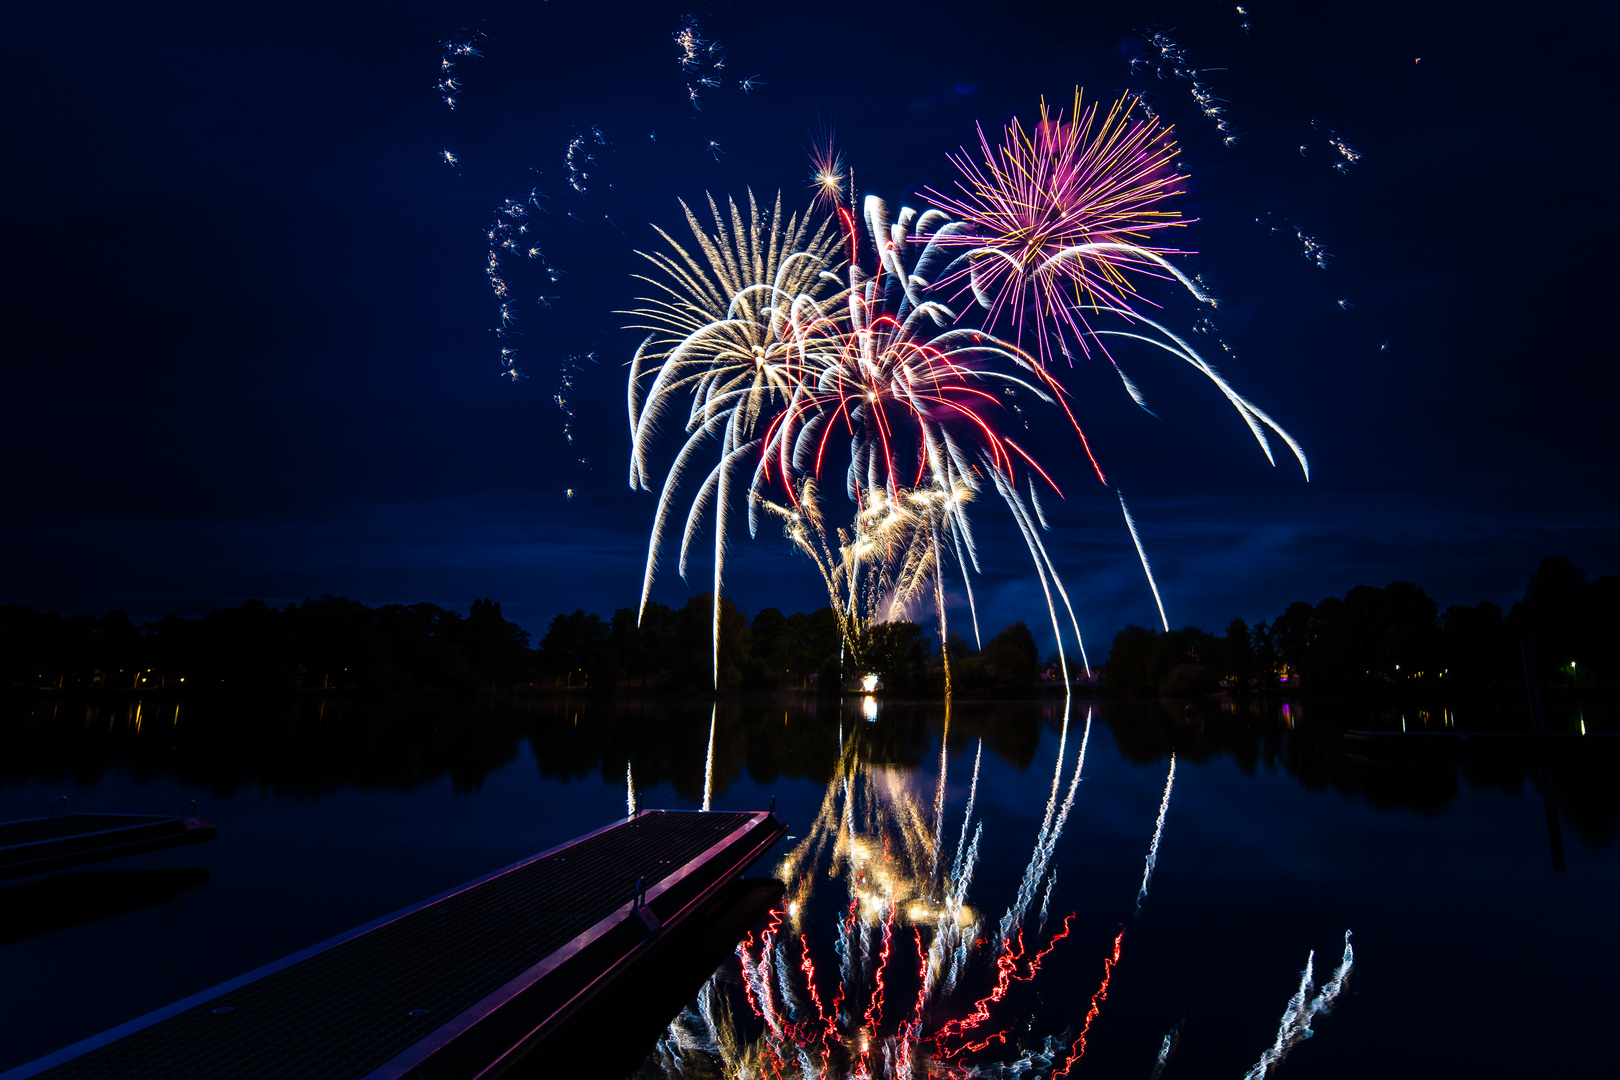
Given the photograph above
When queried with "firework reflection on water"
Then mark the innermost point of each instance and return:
(880, 963)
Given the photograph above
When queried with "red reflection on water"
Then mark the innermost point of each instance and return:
(1078, 1049)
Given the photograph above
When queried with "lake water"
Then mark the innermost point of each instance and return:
(1473, 955)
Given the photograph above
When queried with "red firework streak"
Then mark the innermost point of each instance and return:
(808, 966)
(875, 1006)
(765, 1009)
(1006, 975)
(742, 957)
(910, 1029)
(1078, 1049)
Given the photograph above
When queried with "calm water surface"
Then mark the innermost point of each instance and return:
(1472, 954)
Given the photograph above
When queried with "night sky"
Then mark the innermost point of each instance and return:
(248, 338)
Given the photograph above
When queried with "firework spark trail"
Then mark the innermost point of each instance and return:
(759, 973)
(708, 760)
(1158, 830)
(1074, 781)
(1141, 553)
(1172, 1038)
(874, 1007)
(1302, 1009)
(1311, 248)
(1007, 973)
(1077, 1049)
(705, 1010)
(1173, 57)
(808, 966)
(967, 819)
(1069, 233)
(785, 987)
(1074, 180)
(448, 85)
(511, 234)
(1044, 568)
(939, 790)
(1046, 897)
(1006, 968)
(911, 1029)
(948, 930)
(846, 960)
(1015, 913)
(1255, 418)
(1051, 829)
(580, 161)
(959, 958)
(1345, 151)
(629, 792)
(1063, 813)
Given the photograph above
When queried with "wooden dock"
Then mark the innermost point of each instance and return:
(37, 845)
(498, 977)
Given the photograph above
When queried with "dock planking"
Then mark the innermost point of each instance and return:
(476, 982)
(38, 845)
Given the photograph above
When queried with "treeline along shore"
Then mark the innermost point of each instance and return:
(1372, 641)
(334, 643)
(1390, 640)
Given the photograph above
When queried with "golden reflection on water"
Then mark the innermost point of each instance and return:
(877, 965)
(871, 991)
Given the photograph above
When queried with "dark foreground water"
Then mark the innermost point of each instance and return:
(1473, 955)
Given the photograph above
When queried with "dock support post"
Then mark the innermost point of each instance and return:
(650, 924)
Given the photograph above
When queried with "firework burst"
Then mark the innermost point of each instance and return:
(829, 176)
(721, 330)
(780, 333)
(1063, 215)
(777, 353)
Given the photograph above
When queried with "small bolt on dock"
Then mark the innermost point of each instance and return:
(573, 959)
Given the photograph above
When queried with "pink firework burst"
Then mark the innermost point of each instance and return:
(1062, 218)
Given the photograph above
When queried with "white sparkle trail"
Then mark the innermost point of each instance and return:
(961, 843)
(1051, 830)
(1141, 553)
(1158, 830)
(1302, 1009)
(708, 763)
(1168, 1047)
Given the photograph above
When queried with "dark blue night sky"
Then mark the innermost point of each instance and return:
(248, 347)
